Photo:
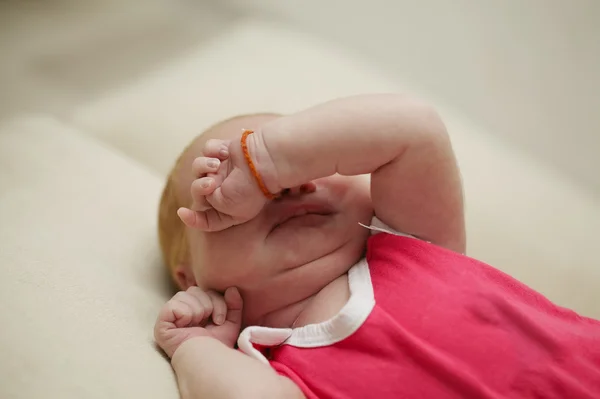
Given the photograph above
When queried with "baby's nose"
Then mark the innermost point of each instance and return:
(302, 189)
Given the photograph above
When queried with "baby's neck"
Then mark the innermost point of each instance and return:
(315, 309)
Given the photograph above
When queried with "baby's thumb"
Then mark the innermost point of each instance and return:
(192, 219)
(234, 303)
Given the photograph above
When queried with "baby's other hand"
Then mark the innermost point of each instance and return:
(195, 313)
(225, 192)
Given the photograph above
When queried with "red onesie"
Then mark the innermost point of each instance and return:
(424, 322)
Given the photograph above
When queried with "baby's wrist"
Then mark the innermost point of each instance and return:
(264, 163)
(192, 344)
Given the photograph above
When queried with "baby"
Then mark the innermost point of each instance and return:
(345, 287)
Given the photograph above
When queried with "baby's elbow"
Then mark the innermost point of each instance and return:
(419, 119)
(431, 125)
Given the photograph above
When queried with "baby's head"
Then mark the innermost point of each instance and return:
(297, 245)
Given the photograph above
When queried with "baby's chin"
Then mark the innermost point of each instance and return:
(328, 251)
(285, 291)
(304, 239)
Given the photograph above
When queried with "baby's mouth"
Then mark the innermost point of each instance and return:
(305, 215)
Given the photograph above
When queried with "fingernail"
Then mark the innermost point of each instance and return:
(224, 153)
(206, 182)
(220, 319)
(213, 163)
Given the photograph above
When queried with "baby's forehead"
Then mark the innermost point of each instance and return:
(226, 130)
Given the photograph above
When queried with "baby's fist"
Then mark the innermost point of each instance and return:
(195, 313)
(226, 191)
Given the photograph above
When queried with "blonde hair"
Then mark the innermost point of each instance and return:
(171, 230)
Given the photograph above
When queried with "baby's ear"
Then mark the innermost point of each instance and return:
(184, 277)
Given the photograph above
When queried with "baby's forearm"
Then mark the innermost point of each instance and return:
(350, 136)
(206, 368)
(402, 143)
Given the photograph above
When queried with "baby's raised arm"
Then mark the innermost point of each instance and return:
(402, 143)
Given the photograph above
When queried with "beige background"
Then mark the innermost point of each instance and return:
(97, 98)
(528, 71)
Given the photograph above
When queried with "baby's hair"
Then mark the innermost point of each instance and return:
(171, 230)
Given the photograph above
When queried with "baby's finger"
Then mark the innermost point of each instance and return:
(217, 221)
(211, 220)
(197, 307)
(234, 303)
(182, 313)
(217, 149)
(204, 300)
(193, 219)
(219, 307)
(199, 190)
(203, 165)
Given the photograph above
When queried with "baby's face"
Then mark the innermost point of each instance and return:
(292, 249)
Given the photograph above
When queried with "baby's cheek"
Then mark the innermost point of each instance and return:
(353, 194)
(344, 186)
(199, 270)
(227, 262)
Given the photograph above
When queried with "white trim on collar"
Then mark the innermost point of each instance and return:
(349, 319)
(352, 315)
(345, 323)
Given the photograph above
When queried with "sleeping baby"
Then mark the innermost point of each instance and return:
(321, 255)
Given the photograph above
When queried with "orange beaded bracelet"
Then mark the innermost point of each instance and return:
(255, 173)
